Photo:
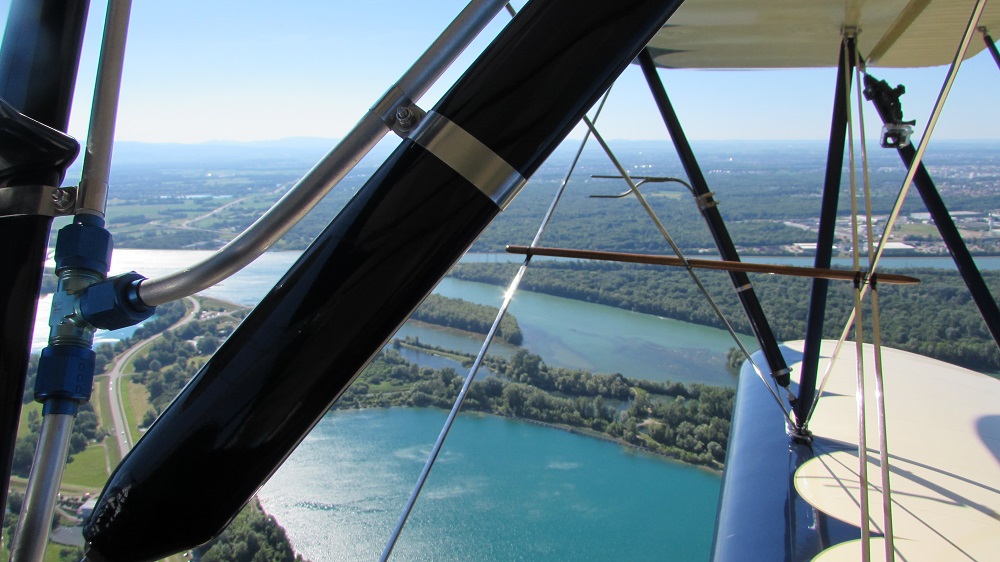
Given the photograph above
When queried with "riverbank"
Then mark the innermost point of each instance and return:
(685, 422)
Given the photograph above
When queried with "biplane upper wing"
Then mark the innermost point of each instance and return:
(719, 34)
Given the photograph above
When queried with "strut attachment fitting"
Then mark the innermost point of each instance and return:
(896, 132)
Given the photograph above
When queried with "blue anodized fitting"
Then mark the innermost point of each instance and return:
(66, 366)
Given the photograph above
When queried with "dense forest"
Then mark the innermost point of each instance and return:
(936, 317)
(253, 536)
(686, 422)
(464, 315)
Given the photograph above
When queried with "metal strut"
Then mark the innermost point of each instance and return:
(827, 225)
(717, 226)
(886, 99)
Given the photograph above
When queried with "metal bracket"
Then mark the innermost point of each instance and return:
(37, 200)
(706, 201)
(398, 112)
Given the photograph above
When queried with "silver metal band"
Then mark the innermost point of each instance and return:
(706, 201)
(742, 288)
(472, 159)
(37, 200)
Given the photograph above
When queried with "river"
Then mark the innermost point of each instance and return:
(502, 489)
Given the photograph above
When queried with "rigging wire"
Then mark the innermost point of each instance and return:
(858, 335)
(680, 255)
(883, 438)
(508, 297)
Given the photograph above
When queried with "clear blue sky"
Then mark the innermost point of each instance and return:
(254, 70)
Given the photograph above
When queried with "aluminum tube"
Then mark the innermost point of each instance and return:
(311, 189)
(446, 48)
(278, 220)
(39, 502)
(93, 194)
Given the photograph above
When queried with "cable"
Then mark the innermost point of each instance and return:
(859, 345)
(666, 235)
(890, 554)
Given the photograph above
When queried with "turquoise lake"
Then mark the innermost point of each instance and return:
(501, 490)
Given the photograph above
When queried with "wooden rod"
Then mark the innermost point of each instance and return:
(795, 271)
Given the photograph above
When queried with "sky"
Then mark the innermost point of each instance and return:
(249, 70)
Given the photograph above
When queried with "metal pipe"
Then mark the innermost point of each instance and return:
(827, 226)
(39, 502)
(956, 63)
(311, 189)
(57, 420)
(716, 225)
(92, 197)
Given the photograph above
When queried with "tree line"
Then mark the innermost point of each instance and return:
(464, 315)
(252, 536)
(936, 317)
(686, 422)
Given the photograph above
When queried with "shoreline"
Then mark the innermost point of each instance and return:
(549, 425)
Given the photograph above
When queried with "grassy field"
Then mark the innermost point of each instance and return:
(89, 468)
(22, 427)
(103, 407)
(136, 402)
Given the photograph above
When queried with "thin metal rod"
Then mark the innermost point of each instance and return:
(39, 501)
(991, 45)
(311, 189)
(880, 417)
(963, 47)
(694, 276)
(883, 436)
(908, 181)
(718, 265)
(859, 340)
(716, 225)
(862, 431)
(508, 297)
(93, 194)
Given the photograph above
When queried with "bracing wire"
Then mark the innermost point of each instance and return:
(508, 297)
(858, 334)
(889, 542)
(694, 276)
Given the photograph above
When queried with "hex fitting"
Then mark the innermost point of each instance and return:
(114, 303)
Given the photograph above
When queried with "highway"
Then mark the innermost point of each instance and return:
(115, 373)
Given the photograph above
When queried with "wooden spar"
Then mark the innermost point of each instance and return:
(795, 271)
